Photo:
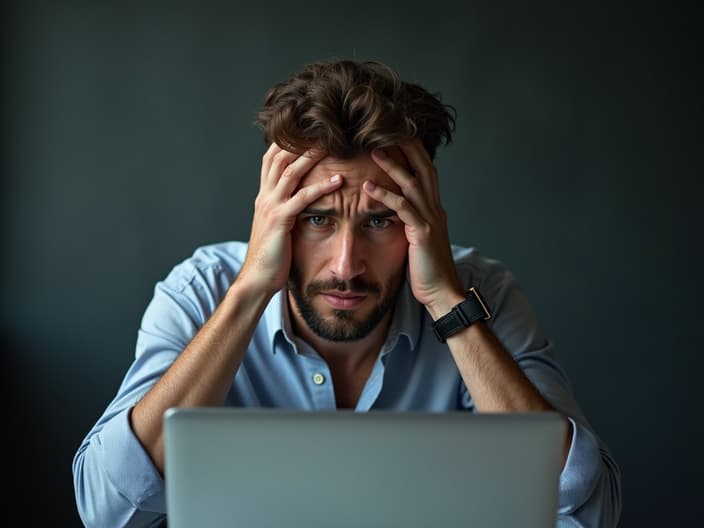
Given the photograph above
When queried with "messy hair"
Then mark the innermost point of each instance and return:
(351, 107)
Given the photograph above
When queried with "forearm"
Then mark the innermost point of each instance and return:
(203, 372)
(493, 377)
(497, 383)
(507, 364)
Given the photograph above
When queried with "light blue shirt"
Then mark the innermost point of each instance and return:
(116, 484)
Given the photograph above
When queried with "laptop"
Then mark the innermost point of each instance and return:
(256, 468)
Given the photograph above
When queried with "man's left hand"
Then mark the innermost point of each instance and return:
(431, 268)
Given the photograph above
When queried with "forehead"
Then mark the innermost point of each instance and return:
(354, 172)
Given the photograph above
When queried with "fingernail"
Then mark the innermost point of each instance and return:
(370, 185)
(335, 178)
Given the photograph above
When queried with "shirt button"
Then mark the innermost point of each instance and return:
(318, 378)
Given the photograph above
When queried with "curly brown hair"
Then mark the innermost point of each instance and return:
(351, 107)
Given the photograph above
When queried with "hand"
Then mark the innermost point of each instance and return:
(278, 203)
(431, 268)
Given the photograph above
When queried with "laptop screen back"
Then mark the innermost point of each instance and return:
(266, 468)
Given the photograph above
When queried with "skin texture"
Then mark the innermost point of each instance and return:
(349, 253)
(342, 234)
(349, 261)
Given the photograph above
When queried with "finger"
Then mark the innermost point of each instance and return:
(411, 186)
(401, 205)
(415, 153)
(267, 159)
(310, 193)
(279, 161)
(422, 165)
(292, 174)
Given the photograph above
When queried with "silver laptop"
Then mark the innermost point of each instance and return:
(252, 468)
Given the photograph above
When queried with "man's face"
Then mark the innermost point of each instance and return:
(349, 253)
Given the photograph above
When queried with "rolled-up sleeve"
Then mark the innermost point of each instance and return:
(115, 482)
(118, 484)
(590, 489)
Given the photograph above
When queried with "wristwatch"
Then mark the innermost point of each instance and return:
(472, 309)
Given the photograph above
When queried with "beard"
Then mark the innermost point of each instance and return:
(343, 326)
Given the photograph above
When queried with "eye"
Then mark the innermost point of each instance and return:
(317, 220)
(377, 222)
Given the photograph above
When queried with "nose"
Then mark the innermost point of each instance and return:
(348, 260)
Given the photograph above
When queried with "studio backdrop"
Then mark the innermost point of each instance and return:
(129, 140)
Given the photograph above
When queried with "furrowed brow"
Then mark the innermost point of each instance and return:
(382, 213)
(316, 211)
(319, 212)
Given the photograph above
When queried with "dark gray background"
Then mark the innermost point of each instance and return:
(128, 141)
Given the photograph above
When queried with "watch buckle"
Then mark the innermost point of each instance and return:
(478, 296)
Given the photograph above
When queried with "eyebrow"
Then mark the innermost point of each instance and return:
(381, 213)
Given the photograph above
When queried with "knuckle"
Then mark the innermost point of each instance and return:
(271, 152)
(281, 155)
(303, 193)
(411, 184)
(264, 201)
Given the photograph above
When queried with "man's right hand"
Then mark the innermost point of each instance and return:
(202, 374)
(276, 207)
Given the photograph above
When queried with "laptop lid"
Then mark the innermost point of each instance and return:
(256, 468)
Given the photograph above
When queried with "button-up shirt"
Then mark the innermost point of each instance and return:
(116, 483)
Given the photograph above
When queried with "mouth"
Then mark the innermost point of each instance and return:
(343, 300)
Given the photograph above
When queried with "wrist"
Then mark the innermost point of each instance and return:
(443, 304)
(248, 293)
(471, 309)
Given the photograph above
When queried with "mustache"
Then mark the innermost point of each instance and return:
(355, 285)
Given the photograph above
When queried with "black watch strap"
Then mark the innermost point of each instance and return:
(472, 309)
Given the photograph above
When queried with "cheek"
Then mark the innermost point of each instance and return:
(389, 240)
(393, 252)
(309, 250)
(304, 235)
(398, 253)
(299, 248)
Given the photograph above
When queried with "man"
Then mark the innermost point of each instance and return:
(345, 296)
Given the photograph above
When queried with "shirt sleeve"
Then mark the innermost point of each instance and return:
(110, 492)
(115, 482)
(590, 482)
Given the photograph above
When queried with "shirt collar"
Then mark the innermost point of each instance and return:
(276, 319)
(406, 321)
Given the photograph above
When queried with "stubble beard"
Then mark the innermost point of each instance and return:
(343, 326)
